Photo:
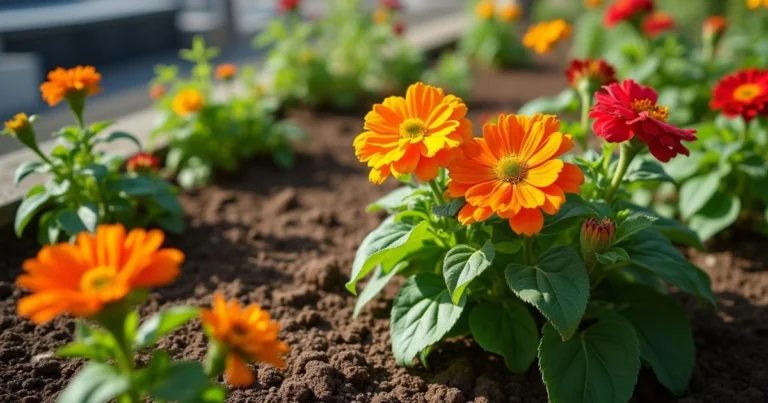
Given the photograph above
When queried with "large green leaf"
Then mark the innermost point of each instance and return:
(34, 200)
(27, 168)
(387, 246)
(558, 286)
(163, 323)
(662, 328)
(375, 284)
(507, 329)
(719, 213)
(95, 383)
(696, 192)
(598, 365)
(463, 264)
(651, 251)
(672, 229)
(646, 171)
(422, 314)
(632, 225)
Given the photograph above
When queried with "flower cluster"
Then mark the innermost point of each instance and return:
(543, 36)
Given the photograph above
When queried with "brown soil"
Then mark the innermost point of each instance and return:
(286, 240)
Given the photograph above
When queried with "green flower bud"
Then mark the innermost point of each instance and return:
(596, 237)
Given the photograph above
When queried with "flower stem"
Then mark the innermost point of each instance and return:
(436, 193)
(586, 105)
(627, 154)
(527, 246)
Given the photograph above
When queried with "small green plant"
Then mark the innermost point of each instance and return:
(87, 186)
(211, 127)
(492, 39)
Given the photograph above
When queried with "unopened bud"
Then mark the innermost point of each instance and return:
(20, 126)
(596, 237)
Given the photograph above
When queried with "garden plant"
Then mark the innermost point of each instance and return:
(87, 186)
(492, 38)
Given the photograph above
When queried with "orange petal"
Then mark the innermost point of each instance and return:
(533, 139)
(238, 374)
(427, 169)
(571, 178)
(565, 146)
(527, 222)
(555, 197)
(547, 150)
(379, 175)
(544, 174)
(407, 163)
(528, 196)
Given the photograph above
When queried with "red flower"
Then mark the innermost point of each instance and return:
(392, 5)
(628, 109)
(714, 26)
(599, 72)
(143, 163)
(625, 10)
(157, 91)
(743, 93)
(658, 23)
(399, 28)
(286, 6)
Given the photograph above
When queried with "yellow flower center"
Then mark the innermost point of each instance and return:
(98, 280)
(511, 170)
(655, 111)
(412, 128)
(747, 92)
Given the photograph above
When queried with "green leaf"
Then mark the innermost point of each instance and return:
(449, 209)
(375, 284)
(422, 314)
(666, 341)
(646, 171)
(612, 256)
(574, 209)
(719, 213)
(392, 201)
(181, 381)
(49, 231)
(34, 200)
(387, 246)
(632, 225)
(99, 126)
(598, 365)
(163, 323)
(89, 215)
(95, 383)
(97, 171)
(558, 286)
(172, 223)
(95, 344)
(507, 329)
(696, 192)
(463, 264)
(124, 136)
(167, 200)
(70, 221)
(672, 229)
(653, 252)
(25, 169)
(555, 104)
(134, 185)
(56, 188)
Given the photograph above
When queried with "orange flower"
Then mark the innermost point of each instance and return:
(593, 3)
(18, 123)
(543, 36)
(143, 163)
(513, 172)
(485, 9)
(755, 4)
(510, 12)
(248, 335)
(714, 26)
(188, 101)
(64, 83)
(226, 71)
(658, 23)
(81, 278)
(417, 134)
(380, 16)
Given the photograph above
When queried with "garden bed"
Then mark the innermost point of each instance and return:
(286, 240)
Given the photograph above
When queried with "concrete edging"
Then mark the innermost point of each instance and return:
(433, 34)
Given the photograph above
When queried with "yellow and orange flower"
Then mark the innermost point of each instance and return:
(755, 4)
(248, 334)
(380, 16)
(510, 12)
(18, 123)
(417, 134)
(543, 36)
(485, 9)
(188, 101)
(513, 171)
(101, 268)
(593, 3)
(226, 71)
(64, 83)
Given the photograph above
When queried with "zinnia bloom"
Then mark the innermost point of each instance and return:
(510, 12)
(98, 269)
(513, 171)
(626, 110)
(248, 335)
(417, 134)
(598, 72)
(64, 83)
(285, 6)
(593, 3)
(188, 101)
(156, 92)
(485, 9)
(743, 93)
(657, 23)
(142, 163)
(543, 36)
(755, 4)
(626, 10)
(226, 71)
(714, 26)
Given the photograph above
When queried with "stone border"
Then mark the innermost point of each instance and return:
(432, 34)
